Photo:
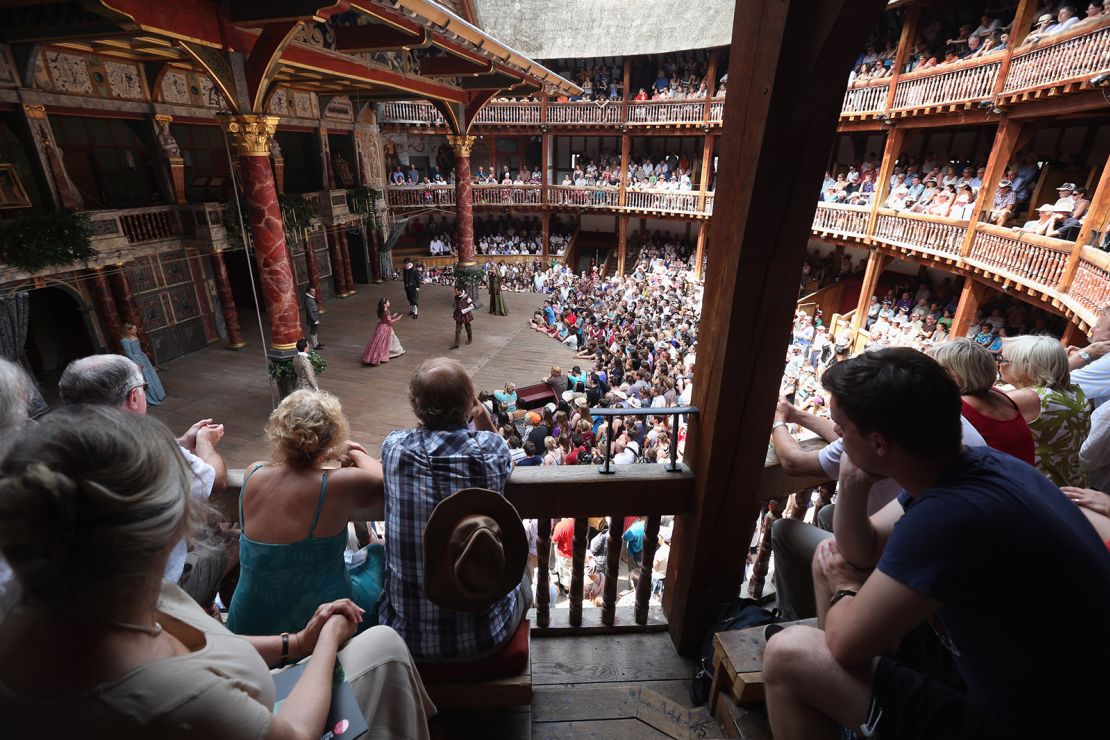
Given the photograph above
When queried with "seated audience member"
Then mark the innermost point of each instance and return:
(294, 517)
(1056, 409)
(114, 380)
(558, 381)
(530, 456)
(958, 547)
(990, 411)
(422, 467)
(92, 502)
(1005, 200)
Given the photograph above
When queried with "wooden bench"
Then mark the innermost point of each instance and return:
(471, 685)
(535, 396)
(738, 670)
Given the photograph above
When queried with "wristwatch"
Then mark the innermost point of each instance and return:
(1084, 355)
(778, 424)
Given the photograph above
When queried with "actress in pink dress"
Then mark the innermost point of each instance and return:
(384, 345)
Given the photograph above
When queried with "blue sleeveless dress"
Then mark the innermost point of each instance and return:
(280, 585)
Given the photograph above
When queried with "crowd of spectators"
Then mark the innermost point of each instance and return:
(670, 172)
(523, 176)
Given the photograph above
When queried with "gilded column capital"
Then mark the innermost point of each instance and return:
(251, 134)
(35, 111)
(461, 144)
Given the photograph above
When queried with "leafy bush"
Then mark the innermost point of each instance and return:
(54, 240)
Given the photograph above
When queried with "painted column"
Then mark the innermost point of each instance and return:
(464, 208)
(313, 271)
(129, 308)
(699, 253)
(345, 255)
(227, 301)
(876, 263)
(200, 282)
(251, 135)
(106, 308)
(971, 297)
(338, 272)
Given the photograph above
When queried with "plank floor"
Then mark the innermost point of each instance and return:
(232, 387)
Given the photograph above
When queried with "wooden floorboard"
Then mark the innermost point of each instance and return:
(572, 702)
(232, 387)
(607, 659)
(611, 729)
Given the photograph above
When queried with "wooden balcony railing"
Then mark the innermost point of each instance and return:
(961, 82)
(691, 111)
(409, 111)
(509, 114)
(419, 196)
(672, 201)
(507, 195)
(929, 234)
(717, 111)
(841, 220)
(150, 224)
(607, 198)
(709, 205)
(1033, 260)
(1073, 56)
(1091, 285)
(868, 97)
(586, 113)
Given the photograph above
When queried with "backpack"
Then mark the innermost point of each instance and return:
(738, 614)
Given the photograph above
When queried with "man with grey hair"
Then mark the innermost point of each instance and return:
(456, 446)
(114, 380)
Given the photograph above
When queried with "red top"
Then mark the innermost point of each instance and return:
(563, 537)
(1012, 436)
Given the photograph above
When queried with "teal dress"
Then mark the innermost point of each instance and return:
(133, 350)
(281, 585)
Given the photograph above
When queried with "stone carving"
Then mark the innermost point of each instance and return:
(461, 144)
(339, 108)
(319, 35)
(42, 74)
(165, 138)
(69, 73)
(401, 62)
(210, 95)
(279, 103)
(305, 105)
(252, 134)
(275, 149)
(175, 87)
(124, 80)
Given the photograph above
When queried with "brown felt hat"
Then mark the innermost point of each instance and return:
(475, 550)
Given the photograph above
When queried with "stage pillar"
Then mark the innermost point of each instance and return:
(106, 308)
(227, 301)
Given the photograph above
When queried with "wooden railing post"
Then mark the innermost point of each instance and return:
(892, 149)
(543, 571)
(647, 556)
(612, 568)
(970, 298)
(706, 167)
(578, 564)
(1098, 214)
(876, 263)
(710, 85)
(626, 145)
(902, 55)
(1023, 18)
(1005, 143)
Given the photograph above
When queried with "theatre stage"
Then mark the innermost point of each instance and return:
(233, 388)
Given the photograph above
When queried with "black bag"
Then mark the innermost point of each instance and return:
(738, 614)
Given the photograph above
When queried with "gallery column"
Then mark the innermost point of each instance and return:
(106, 308)
(251, 135)
(129, 307)
(464, 208)
(227, 301)
(342, 290)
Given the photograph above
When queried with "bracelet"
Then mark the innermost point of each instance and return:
(778, 424)
(840, 595)
(284, 648)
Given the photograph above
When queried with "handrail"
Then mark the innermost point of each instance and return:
(933, 234)
(672, 411)
(844, 219)
(1076, 54)
(959, 82)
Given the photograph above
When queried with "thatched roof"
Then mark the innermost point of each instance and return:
(562, 29)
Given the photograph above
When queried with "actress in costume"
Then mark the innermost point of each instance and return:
(133, 350)
(384, 345)
(496, 300)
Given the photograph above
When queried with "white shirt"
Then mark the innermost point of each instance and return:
(886, 490)
(1094, 379)
(204, 477)
(1094, 455)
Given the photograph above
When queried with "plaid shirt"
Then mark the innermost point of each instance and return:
(423, 467)
(1004, 200)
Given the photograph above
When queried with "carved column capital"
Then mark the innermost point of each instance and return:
(251, 134)
(35, 111)
(163, 118)
(461, 144)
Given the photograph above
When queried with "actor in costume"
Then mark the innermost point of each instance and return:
(496, 300)
(412, 280)
(463, 314)
(383, 345)
(302, 366)
(312, 314)
(133, 350)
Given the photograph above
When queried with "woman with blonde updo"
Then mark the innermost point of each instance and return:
(92, 501)
(294, 513)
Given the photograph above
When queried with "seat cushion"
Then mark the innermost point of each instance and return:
(509, 661)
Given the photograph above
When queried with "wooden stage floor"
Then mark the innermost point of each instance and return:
(232, 387)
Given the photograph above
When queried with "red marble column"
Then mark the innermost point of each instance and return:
(110, 321)
(125, 299)
(464, 208)
(252, 135)
(313, 271)
(227, 302)
(196, 269)
(345, 254)
(338, 271)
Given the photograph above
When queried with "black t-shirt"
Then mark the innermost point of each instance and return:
(537, 436)
(982, 541)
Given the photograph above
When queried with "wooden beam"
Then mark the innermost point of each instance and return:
(789, 63)
(892, 149)
(1095, 220)
(379, 37)
(1003, 147)
(452, 66)
(263, 12)
(876, 263)
(902, 55)
(970, 298)
(263, 60)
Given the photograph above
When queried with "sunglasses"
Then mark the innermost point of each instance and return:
(1000, 360)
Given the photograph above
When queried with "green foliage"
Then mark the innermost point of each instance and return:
(297, 211)
(282, 370)
(469, 277)
(53, 240)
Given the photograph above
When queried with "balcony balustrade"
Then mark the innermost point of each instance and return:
(929, 234)
(500, 114)
(841, 220)
(867, 98)
(586, 113)
(599, 198)
(657, 112)
(672, 201)
(1036, 261)
(507, 195)
(709, 205)
(1091, 285)
(420, 196)
(962, 82)
(1073, 56)
(150, 224)
(412, 112)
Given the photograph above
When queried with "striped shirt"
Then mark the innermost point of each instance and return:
(422, 467)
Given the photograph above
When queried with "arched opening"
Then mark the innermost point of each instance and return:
(57, 334)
